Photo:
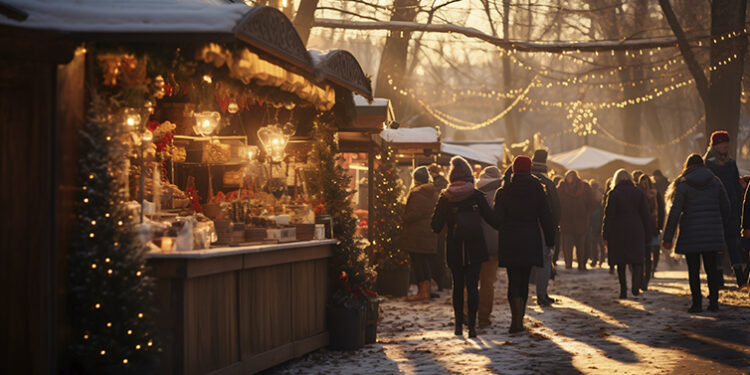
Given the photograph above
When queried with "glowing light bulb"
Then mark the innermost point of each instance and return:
(97, 306)
(103, 352)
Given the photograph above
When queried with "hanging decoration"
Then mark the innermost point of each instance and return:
(206, 122)
(583, 119)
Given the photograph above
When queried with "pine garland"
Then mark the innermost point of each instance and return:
(351, 274)
(110, 300)
(388, 210)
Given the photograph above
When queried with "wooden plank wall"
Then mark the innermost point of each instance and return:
(26, 248)
(239, 321)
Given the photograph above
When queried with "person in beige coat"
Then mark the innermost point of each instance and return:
(417, 237)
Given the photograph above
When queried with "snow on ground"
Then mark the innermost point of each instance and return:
(588, 331)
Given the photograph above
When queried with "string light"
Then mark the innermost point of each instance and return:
(608, 135)
(583, 118)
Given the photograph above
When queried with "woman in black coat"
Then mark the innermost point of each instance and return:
(520, 208)
(460, 209)
(701, 208)
(626, 229)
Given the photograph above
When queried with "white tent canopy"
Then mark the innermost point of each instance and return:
(487, 152)
(588, 157)
(410, 135)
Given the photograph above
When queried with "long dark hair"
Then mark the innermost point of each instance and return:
(693, 160)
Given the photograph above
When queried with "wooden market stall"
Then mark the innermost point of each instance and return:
(220, 80)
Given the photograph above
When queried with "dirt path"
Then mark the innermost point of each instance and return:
(588, 331)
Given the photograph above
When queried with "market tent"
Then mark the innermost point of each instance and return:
(594, 162)
(486, 152)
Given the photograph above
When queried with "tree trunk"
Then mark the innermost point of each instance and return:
(511, 119)
(393, 59)
(723, 107)
(304, 19)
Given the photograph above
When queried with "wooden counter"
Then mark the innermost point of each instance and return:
(239, 310)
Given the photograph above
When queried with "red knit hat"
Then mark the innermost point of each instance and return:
(521, 164)
(720, 136)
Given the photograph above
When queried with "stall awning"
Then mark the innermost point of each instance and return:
(588, 157)
(264, 28)
(486, 152)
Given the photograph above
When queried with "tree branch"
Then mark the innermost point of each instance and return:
(701, 82)
(523, 46)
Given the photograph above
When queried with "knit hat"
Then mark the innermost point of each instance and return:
(540, 156)
(460, 170)
(693, 160)
(421, 175)
(718, 137)
(521, 164)
(488, 175)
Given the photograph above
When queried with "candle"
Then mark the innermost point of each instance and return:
(167, 244)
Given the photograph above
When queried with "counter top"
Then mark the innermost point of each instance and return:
(238, 250)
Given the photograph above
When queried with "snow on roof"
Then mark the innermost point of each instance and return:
(361, 101)
(588, 157)
(128, 15)
(492, 149)
(410, 135)
(468, 152)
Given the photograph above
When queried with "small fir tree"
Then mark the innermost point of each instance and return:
(110, 304)
(351, 273)
(387, 214)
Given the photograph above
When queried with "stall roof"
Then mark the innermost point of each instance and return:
(262, 27)
(410, 135)
(468, 152)
(588, 157)
(491, 149)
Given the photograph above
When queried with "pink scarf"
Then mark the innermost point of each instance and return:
(458, 191)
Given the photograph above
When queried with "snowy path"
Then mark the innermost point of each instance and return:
(588, 331)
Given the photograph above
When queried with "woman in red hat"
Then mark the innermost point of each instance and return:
(521, 207)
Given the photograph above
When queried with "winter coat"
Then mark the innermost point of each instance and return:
(521, 207)
(576, 204)
(626, 225)
(730, 177)
(459, 252)
(746, 209)
(490, 233)
(700, 206)
(553, 198)
(416, 235)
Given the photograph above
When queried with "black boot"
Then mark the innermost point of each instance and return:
(516, 325)
(713, 305)
(472, 325)
(637, 278)
(696, 307)
(459, 324)
(740, 275)
(622, 277)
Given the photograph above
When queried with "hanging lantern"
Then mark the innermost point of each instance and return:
(206, 122)
(274, 141)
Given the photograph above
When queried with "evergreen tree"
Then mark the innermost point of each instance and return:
(351, 272)
(387, 214)
(110, 304)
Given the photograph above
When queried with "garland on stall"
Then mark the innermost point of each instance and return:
(387, 214)
(111, 311)
(351, 273)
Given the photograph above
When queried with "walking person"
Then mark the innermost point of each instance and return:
(594, 241)
(656, 220)
(521, 208)
(700, 207)
(417, 237)
(661, 182)
(575, 202)
(603, 203)
(717, 159)
(440, 272)
(626, 229)
(460, 209)
(539, 170)
(489, 182)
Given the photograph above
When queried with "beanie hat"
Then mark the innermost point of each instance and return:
(521, 164)
(718, 137)
(694, 160)
(488, 175)
(460, 170)
(540, 156)
(421, 175)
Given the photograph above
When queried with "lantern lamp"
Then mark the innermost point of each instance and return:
(206, 122)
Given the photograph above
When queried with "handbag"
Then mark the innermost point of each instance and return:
(468, 223)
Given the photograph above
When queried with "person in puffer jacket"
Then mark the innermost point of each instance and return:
(699, 205)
